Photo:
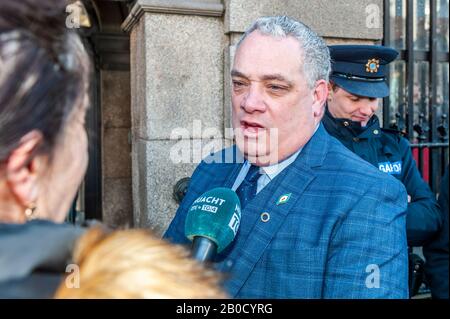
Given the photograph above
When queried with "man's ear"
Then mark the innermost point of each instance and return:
(320, 97)
(23, 169)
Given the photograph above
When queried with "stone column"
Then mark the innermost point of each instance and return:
(116, 175)
(176, 98)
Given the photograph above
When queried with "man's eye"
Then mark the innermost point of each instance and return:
(276, 88)
(238, 84)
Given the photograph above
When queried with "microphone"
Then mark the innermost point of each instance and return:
(212, 222)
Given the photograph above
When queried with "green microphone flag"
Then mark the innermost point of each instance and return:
(215, 215)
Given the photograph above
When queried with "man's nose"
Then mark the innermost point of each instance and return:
(254, 100)
(368, 107)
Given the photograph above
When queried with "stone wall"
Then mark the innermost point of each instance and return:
(116, 148)
(334, 19)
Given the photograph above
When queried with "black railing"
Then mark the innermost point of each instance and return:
(419, 101)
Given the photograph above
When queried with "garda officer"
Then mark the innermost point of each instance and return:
(357, 83)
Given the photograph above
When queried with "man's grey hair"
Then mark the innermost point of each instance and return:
(315, 53)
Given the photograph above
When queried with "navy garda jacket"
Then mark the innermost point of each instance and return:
(390, 152)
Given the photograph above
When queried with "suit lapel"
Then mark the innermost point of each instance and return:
(254, 234)
(234, 172)
(226, 168)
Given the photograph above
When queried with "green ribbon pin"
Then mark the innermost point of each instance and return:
(284, 199)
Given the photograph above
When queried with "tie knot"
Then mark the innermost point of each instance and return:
(252, 174)
(247, 190)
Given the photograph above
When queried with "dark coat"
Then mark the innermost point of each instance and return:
(436, 252)
(33, 257)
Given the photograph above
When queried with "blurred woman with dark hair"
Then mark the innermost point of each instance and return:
(44, 77)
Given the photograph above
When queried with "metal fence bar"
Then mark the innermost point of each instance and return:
(429, 145)
(433, 105)
(410, 67)
(387, 41)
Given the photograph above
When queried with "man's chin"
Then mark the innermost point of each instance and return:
(257, 154)
(264, 160)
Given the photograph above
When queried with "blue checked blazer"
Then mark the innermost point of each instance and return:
(341, 234)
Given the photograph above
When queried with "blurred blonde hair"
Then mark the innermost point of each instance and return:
(136, 264)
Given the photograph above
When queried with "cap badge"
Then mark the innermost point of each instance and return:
(372, 65)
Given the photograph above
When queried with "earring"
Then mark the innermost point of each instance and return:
(30, 212)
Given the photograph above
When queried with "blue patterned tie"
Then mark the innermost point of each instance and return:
(247, 190)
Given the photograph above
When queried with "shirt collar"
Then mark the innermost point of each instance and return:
(273, 170)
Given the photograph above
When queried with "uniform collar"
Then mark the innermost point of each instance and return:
(350, 129)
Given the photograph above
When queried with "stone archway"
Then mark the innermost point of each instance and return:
(106, 192)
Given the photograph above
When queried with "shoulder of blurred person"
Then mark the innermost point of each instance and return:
(34, 257)
(137, 264)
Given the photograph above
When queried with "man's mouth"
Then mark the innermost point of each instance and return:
(360, 118)
(251, 128)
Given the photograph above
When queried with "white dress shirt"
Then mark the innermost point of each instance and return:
(268, 173)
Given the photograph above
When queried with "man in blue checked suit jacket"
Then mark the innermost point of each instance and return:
(321, 222)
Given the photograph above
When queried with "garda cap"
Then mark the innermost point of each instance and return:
(361, 69)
